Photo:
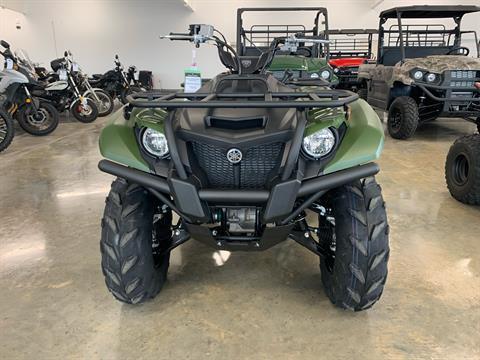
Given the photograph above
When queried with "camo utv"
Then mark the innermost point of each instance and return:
(423, 71)
(303, 64)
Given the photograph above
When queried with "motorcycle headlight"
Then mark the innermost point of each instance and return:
(431, 77)
(155, 142)
(325, 74)
(319, 143)
(418, 75)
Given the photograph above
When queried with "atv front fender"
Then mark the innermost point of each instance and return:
(117, 142)
(363, 140)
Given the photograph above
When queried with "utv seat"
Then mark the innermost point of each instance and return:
(393, 54)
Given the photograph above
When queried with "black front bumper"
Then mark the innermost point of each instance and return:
(278, 203)
(454, 101)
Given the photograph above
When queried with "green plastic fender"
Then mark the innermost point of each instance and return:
(363, 140)
(117, 139)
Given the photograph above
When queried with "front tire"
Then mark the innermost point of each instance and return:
(41, 123)
(354, 276)
(7, 130)
(462, 169)
(132, 231)
(84, 114)
(105, 103)
(402, 118)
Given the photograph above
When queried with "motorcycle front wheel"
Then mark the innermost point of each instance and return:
(84, 113)
(39, 123)
(104, 103)
(7, 131)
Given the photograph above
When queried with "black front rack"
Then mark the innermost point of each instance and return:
(297, 100)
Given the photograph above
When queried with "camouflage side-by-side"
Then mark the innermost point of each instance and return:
(401, 72)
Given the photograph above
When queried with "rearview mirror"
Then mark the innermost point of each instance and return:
(116, 57)
(5, 44)
(65, 53)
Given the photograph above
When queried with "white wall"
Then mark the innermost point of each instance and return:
(96, 30)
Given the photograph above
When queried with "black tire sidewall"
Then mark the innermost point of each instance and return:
(408, 109)
(469, 147)
(85, 119)
(110, 108)
(5, 143)
(31, 129)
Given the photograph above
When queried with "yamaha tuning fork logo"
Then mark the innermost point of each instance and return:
(234, 156)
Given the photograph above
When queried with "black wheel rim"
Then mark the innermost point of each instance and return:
(396, 120)
(460, 169)
(41, 119)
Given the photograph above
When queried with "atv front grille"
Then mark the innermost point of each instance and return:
(463, 78)
(252, 172)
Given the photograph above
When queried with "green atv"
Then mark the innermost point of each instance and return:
(422, 71)
(303, 62)
(242, 162)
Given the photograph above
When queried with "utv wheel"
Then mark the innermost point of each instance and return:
(402, 118)
(84, 114)
(42, 122)
(462, 169)
(355, 273)
(133, 231)
(7, 130)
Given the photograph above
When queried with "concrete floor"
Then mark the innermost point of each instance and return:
(54, 305)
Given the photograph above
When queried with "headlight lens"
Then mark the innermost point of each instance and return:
(418, 75)
(313, 76)
(319, 143)
(431, 77)
(155, 142)
(325, 74)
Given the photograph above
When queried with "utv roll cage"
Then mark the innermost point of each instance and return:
(351, 43)
(254, 41)
(417, 40)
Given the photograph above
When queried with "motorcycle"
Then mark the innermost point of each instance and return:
(36, 116)
(117, 82)
(102, 99)
(62, 90)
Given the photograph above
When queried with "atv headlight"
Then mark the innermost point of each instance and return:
(319, 143)
(418, 75)
(155, 142)
(325, 74)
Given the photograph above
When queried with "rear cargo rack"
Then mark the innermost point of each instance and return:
(297, 100)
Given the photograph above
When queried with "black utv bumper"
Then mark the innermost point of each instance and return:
(279, 202)
(455, 101)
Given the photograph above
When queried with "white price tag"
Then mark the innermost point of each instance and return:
(62, 74)
(192, 83)
(9, 64)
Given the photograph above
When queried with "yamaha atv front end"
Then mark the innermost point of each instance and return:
(242, 162)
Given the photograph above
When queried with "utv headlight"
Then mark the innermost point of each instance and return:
(155, 142)
(431, 77)
(319, 143)
(325, 74)
(313, 76)
(418, 75)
